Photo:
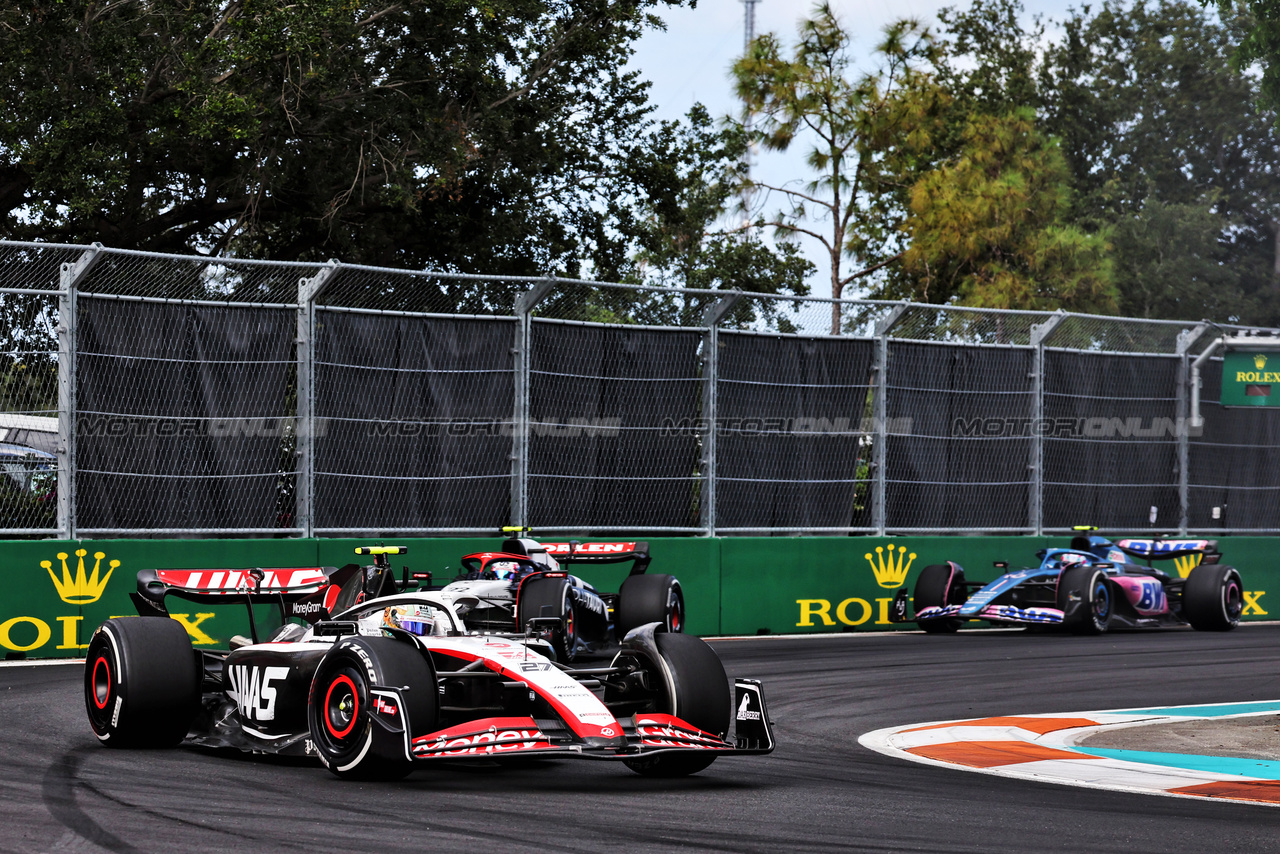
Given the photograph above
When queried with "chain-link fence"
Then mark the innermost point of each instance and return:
(145, 394)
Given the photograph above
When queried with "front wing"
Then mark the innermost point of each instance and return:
(645, 734)
(996, 613)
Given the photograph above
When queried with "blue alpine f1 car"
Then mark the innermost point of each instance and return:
(1091, 586)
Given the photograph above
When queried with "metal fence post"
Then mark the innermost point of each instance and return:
(1186, 340)
(711, 318)
(309, 290)
(522, 357)
(880, 416)
(1035, 497)
(69, 279)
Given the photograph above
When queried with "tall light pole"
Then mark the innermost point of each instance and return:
(748, 193)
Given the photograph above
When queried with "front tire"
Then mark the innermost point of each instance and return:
(354, 740)
(701, 698)
(549, 597)
(649, 599)
(939, 585)
(1213, 598)
(1084, 596)
(141, 682)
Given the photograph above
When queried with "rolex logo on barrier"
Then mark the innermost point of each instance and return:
(80, 589)
(1186, 563)
(1259, 361)
(890, 570)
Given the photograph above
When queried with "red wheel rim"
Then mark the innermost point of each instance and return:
(335, 713)
(101, 682)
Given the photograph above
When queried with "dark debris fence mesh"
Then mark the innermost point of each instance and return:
(1233, 464)
(792, 443)
(143, 393)
(1117, 459)
(413, 421)
(612, 436)
(958, 437)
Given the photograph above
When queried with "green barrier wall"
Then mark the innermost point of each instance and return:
(57, 592)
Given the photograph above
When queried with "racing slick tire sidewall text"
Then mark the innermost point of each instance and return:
(650, 599)
(1086, 590)
(701, 698)
(552, 594)
(1212, 598)
(935, 587)
(141, 682)
(340, 710)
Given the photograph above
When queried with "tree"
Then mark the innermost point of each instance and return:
(1151, 111)
(492, 136)
(1169, 262)
(1148, 111)
(1259, 40)
(868, 135)
(683, 242)
(989, 228)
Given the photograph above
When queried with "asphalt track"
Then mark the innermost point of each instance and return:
(821, 791)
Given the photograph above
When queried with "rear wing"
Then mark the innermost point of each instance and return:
(305, 592)
(1162, 549)
(602, 553)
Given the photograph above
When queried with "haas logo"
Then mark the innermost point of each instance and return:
(253, 692)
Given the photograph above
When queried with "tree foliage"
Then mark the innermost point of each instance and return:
(1163, 136)
(863, 134)
(1259, 40)
(989, 228)
(685, 243)
(495, 136)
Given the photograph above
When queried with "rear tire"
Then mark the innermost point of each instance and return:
(1213, 598)
(141, 682)
(937, 586)
(340, 711)
(649, 599)
(701, 698)
(1089, 587)
(551, 594)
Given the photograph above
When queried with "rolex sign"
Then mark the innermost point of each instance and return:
(1250, 379)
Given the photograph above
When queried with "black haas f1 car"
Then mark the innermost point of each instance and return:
(1093, 585)
(376, 678)
(525, 580)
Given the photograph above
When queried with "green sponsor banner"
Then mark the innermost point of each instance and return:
(777, 585)
(58, 592)
(1250, 379)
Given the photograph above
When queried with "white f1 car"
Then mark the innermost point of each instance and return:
(375, 686)
(526, 580)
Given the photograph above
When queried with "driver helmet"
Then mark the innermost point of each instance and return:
(1068, 559)
(415, 619)
(504, 570)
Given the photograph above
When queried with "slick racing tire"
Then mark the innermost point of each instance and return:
(1213, 598)
(549, 597)
(1089, 588)
(939, 585)
(649, 599)
(141, 682)
(357, 734)
(701, 698)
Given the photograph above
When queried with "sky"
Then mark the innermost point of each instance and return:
(690, 61)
